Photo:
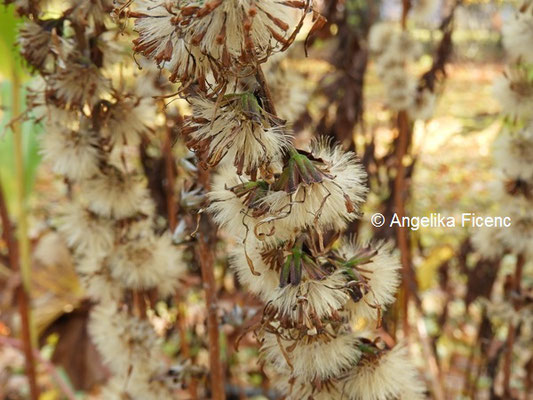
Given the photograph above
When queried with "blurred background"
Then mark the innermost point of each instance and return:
(457, 333)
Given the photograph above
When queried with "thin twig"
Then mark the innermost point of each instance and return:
(204, 254)
(435, 379)
(19, 249)
(22, 297)
(264, 91)
(399, 202)
(50, 367)
(511, 335)
(172, 213)
(170, 180)
(406, 6)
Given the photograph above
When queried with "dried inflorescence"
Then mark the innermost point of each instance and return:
(237, 128)
(285, 207)
(395, 51)
(513, 148)
(96, 112)
(208, 42)
(518, 33)
(513, 157)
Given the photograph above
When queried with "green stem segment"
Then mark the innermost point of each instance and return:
(20, 250)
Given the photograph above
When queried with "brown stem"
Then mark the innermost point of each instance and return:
(406, 6)
(170, 181)
(172, 214)
(204, 255)
(22, 297)
(511, 335)
(204, 249)
(50, 367)
(435, 378)
(399, 202)
(264, 91)
(468, 383)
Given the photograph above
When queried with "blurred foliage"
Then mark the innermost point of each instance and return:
(32, 158)
(8, 36)
(11, 64)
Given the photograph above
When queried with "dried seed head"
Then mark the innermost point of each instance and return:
(382, 376)
(236, 129)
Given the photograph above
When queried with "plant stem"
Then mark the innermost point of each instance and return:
(172, 213)
(20, 249)
(406, 6)
(22, 297)
(206, 242)
(170, 180)
(436, 381)
(265, 91)
(399, 203)
(204, 254)
(511, 335)
(50, 367)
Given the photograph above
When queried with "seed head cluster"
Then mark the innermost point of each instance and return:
(96, 110)
(512, 157)
(395, 51)
(284, 207)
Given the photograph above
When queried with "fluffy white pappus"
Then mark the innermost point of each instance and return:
(386, 63)
(159, 40)
(518, 34)
(96, 280)
(72, 153)
(86, 232)
(124, 341)
(400, 88)
(488, 243)
(138, 385)
(66, 83)
(424, 10)
(380, 36)
(36, 43)
(301, 389)
(237, 31)
(389, 375)
(295, 96)
(24, 7)
(127, 120)
(382, 272)
(404, 46)
(236, 130)
(94, 11)
(146, 262)
(514, 92)
(262, 285)
(228, 210)
(114, 194)
(519, 236)
(321, 357)
(504, 312)
(423, 106)
(279, 215)
(329, 204)
(310, 300)
(513, 153)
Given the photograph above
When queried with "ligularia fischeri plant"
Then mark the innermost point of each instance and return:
(286, 208)
(96, 111)
(513, 149)
(513, 157)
